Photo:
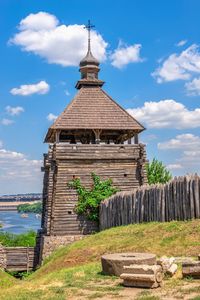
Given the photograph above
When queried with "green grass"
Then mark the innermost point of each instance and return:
(6, 280)
(74, 272)
(145, 295)
(158, 238)
(18, 240)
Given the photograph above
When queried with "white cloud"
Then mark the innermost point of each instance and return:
(188, 147)
(41, 88)
(51, 117)
(1, 144)
(179, 66)
(67, 93)
(186, 141)
(193, 87)
(14, 111)
(124, 55)
(166, 114)
(6, 122)
(42, 35)
(181, 43)
(174, 166)
(39, 21)
(18, 174)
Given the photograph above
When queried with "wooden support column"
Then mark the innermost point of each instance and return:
(57, 136)
(136, 140)
(97, 133)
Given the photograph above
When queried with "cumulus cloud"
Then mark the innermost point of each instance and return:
(6, 122)
(181, 43)
(185, 141)
(188, 147)
(18, 173)
(51, 117)
(14, 111)
(124, 55)
(179, 66)
(1, 144)
(39, 21)
(166, 114)
(43, 35)
(193, 87)
(41, 88)
(174, 166)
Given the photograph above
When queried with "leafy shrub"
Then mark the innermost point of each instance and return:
(30, 208)
(20, 274)
(89, 200)
(27, 239)
(157, 172)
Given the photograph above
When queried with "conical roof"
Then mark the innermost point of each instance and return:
(92, 108)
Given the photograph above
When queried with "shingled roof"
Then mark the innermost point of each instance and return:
(92, 108)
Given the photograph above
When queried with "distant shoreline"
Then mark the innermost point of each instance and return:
(12, 205)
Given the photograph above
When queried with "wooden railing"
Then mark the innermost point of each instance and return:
(177, 200)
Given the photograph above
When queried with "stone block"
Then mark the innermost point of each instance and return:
(112, 264)
(191, 269)
(142, 276)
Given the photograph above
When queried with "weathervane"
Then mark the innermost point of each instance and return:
(89, 26)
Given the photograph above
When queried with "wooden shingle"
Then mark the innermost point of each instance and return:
(92, 108)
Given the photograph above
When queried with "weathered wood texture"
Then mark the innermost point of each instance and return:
(177, 200)
(124, 164)
(19, 258)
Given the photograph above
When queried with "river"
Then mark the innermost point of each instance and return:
(13, 222)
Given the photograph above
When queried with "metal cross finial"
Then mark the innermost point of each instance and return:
(89, 26)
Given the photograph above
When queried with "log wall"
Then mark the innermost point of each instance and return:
(177, 200)
(124, 164)
(18, 258)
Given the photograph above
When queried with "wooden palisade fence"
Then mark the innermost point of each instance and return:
(177, 200)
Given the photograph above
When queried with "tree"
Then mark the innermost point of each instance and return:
(157, 172)
(89, 199)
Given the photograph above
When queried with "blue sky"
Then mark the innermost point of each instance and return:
(150, 61)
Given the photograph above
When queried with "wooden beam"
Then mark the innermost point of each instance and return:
(97, 133)
(136, 140)
(57, 136)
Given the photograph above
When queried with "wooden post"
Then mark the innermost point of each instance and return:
(97, 133)
(27, 260)
(136, 140)
(57, 136)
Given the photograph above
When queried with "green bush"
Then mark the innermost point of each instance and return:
(30, 208)
(27, 239)
(89, 200)
(157, 172)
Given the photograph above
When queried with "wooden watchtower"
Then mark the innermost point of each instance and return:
(92, 134)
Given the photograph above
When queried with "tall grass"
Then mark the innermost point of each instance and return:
(27, 239)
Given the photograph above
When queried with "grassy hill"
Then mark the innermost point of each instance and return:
(74, 272)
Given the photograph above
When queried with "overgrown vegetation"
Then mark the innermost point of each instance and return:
(18, 240)
(157, 172)
(30, 208)
(90, 199)
(20, 274)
